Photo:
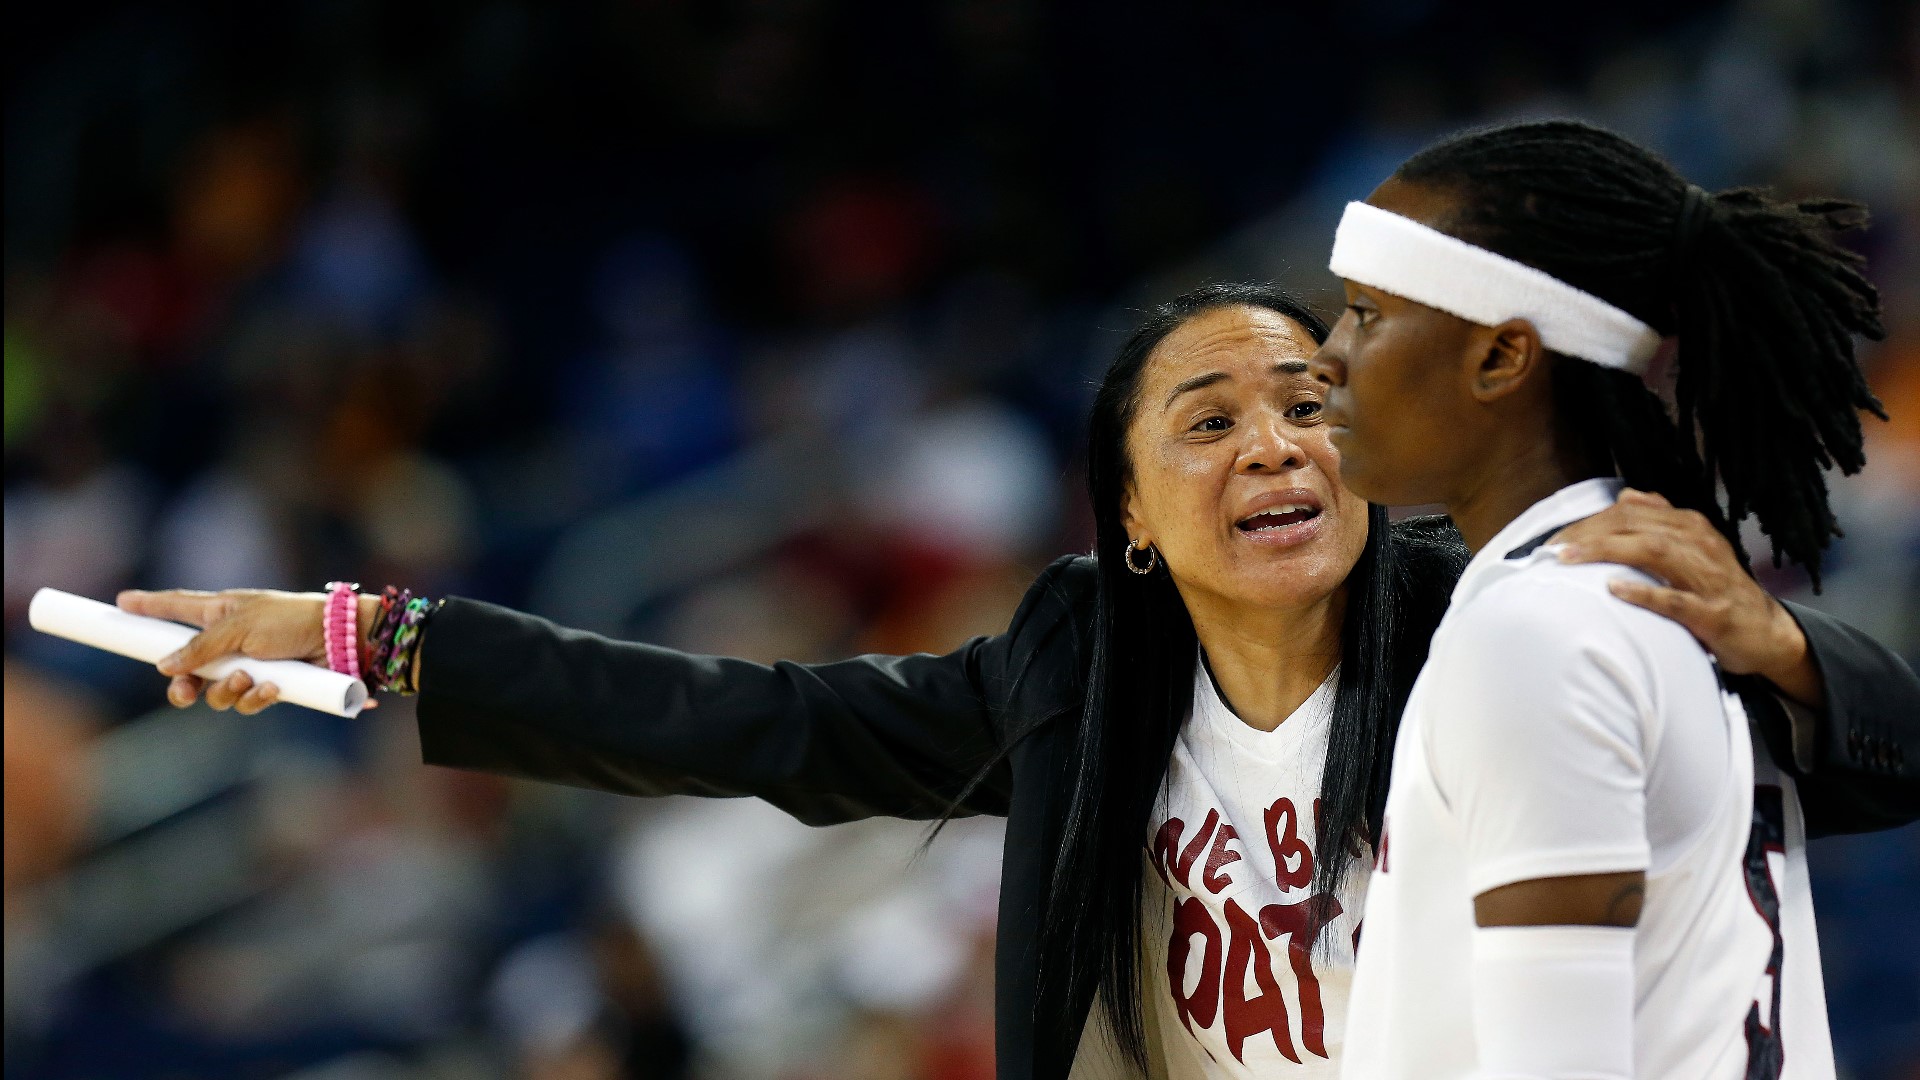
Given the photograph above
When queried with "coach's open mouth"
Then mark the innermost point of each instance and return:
(1279, 510)
(1277, 518)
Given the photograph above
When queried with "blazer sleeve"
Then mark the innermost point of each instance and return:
(897, 736)
(1857, 761)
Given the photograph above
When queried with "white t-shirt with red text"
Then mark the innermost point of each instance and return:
(1233, 981)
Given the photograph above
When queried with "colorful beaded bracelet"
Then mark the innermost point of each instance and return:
(405, 636)
(393, 603)
(410, 663)
(394, 642)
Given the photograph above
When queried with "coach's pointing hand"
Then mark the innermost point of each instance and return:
(260, 623)
(1707, 590)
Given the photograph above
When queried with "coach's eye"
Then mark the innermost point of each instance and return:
(1213, 425)
(1304, 410)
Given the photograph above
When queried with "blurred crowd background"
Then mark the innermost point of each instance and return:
(760, 327)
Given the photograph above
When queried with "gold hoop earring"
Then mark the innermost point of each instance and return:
(1153, 559)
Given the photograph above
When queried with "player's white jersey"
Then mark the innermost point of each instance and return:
(1555, 731)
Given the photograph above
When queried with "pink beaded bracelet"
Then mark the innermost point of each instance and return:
(340, 627)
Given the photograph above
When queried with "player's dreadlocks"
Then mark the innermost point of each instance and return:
(1762, 299)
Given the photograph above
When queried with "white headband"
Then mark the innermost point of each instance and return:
(1383, 250)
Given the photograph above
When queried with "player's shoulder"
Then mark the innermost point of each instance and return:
(1538, 606)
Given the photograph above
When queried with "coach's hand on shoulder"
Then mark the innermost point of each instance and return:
(261, 623)
(1707, 589)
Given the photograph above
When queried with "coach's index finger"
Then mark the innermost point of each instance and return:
(190, 606)
(1636, 497)
(1642, 551)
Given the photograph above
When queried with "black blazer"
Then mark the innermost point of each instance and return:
(900, 736)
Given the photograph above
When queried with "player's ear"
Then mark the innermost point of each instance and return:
(1506, 357)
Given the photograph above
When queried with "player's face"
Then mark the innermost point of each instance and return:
(1233, 477)
(1397, 376)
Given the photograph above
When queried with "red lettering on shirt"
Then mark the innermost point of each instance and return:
(1165, 843)
(1242, 952)
(1288, 846)
(1221, 855)
(1301, 923)
(1183, 867)
(1267, 1010)
(1190, 918)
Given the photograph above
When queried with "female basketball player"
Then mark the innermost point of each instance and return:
(1578, 873)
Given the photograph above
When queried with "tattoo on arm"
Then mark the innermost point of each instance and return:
(1624, 908)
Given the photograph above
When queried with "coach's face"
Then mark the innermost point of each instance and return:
(1234, 479)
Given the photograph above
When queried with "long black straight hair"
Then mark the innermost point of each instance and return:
(1140, 687)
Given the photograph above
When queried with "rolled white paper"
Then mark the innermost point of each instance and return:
(149, 640)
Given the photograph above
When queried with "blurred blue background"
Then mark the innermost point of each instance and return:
(760, 327)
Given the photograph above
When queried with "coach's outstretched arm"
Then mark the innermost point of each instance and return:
(1866, 700)
(897, 736)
